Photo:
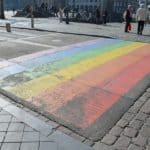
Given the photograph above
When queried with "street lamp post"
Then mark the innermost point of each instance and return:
(2, 15)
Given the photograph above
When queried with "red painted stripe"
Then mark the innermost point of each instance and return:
(96, 104)
(52, 99)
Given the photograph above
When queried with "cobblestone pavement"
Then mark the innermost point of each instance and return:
(132, 131)
(22, 130)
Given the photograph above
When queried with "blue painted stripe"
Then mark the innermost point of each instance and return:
(10, 70)
(61, 54)
(33, 63)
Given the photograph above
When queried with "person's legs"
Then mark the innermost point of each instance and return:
(142, 27)
(126, 26)
(138, 31)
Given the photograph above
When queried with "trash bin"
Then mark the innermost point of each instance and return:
(8, 27)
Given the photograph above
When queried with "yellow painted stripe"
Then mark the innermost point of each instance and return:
(36, 86)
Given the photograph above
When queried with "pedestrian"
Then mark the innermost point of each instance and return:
(105, 15)
(141, 16)
(66, 12)
(128, 18)
(97, 16)
(60, 15)
(13, 11)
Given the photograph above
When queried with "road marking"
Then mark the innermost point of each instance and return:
(33, 43)
(32, 88)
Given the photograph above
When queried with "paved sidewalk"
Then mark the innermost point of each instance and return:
(19, 130)
(132, 131)
(113, 30)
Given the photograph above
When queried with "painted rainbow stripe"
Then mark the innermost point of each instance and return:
(78, 83)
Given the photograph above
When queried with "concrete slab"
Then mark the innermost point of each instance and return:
(30, 120)
(13, 49)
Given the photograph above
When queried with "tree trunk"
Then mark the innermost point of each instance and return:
(2, 16)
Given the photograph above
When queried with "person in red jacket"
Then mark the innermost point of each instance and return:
(128, 18)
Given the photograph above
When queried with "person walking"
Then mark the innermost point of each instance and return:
(141, 16)
(97, 16)
(105, 14)
(66, 12)
(61, 15)
(128, 18)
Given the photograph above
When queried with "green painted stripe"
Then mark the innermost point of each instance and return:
(57, 65)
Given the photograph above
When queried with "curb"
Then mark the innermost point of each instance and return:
(54, 31)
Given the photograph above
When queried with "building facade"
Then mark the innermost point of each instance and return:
(88, 5)
(20, 4)
(119, 6)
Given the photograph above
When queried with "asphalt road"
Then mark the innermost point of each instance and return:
(21, 42)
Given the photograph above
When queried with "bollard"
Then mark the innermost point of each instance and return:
(8, 27)
(32, 21)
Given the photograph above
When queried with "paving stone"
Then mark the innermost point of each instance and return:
(65, 142)
(30, 120)
(43, 118)
(33, 113)
(102, 146)
(64, 130)
(128, 116)
(122, 123)
(148, 147)
(146, 94)
(31, 136)
(130, 132)
(28, 129)
(14, 119)
(2, 135)
(141, 116)
(16, 127)
(136, 124)
(146, 107)
(13, 137)
(48, 146)
(54, 124)
(109, 139)
(3, 102)
(88, 142)
(122, 143)
(116, 131)
(30, 146)
(44, 138)
(148, 121)
(77, 137)
(10, 146)
(5, 118)
(143, 99)
(140, 140)
(134, 147)
(145, 131)
(3, 126)
(3, 112)
(148, 90)
(134, 109)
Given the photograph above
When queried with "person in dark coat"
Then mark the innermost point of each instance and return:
(105, 15)
(66, 12)
(128, 18)
(97, 16)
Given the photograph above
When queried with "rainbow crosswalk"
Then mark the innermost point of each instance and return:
(79, 83)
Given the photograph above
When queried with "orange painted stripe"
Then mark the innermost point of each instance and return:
(60, 95)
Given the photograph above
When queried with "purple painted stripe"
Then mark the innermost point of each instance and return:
(61, 54)
(50, 51)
